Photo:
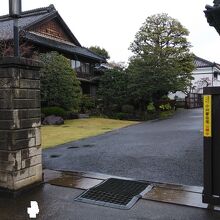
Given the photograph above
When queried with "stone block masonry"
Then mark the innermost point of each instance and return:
(20, 121)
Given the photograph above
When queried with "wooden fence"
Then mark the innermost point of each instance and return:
(194, 100)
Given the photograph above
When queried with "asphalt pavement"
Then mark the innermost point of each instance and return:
(169, 151)
(58, 203)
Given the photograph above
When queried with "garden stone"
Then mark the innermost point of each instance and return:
(53, 120)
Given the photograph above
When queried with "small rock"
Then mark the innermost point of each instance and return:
(53, 120)
(82, 116)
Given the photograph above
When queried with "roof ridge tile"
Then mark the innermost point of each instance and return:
(32, 12)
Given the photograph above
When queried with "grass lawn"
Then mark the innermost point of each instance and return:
(77, 129)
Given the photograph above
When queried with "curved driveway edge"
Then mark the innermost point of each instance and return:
(161, 151)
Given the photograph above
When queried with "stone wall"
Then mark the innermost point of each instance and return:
(20, 144)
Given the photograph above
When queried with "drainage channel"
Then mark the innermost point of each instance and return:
(115, 193)
(159, 192)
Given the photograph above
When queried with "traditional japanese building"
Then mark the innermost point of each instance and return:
(205, 74)
(45, 31)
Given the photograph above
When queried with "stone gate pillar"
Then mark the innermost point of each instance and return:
(20, 144)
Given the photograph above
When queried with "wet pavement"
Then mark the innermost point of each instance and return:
(167, 151)
(162, 192)
(57, 202)
(160, 152)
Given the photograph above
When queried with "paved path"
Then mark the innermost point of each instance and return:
(57, 203)
(162, 151)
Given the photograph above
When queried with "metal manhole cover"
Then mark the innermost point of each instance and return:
(115, 193)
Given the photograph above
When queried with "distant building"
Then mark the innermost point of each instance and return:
(46, 31)
(206, 74)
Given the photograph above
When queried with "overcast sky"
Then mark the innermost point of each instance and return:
(112, 24)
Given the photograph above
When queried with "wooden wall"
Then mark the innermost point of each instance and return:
(52, 29)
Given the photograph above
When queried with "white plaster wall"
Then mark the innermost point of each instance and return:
(200, 81)
(201, 76)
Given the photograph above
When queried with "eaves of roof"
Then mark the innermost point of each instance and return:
(32, 18)
(202, 63)
(51, 16)
(63, 47)
(32, 12)
(92, 80)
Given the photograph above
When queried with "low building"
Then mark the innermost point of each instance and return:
(205, 74)
(44, 30)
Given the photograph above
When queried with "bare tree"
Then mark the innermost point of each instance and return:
(201, 83)
(7, 50)
(7, 47)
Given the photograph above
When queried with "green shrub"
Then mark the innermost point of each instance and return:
(113, 90)
(57, 111)
(59, 84)
(145, 116)
(165, 97)
(87, 103)
(151, 108)
(111, 110)
(127, 109)
(123, 116)
(165, 107)
(71, 115)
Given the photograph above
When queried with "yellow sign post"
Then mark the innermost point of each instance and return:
(207, 106)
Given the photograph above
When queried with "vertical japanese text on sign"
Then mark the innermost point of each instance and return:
(207, 101)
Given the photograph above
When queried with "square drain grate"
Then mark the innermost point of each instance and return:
(115, 193)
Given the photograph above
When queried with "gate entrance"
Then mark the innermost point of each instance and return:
(193, 100)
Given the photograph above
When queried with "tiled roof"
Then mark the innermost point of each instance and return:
(199, 62)
(62, 46)
(202, 63)
(29, 18)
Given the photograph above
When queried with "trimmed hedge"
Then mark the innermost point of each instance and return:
(127, 109)
(57, 111)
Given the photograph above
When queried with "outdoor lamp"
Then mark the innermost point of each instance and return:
(14, 8)
(15, 13)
